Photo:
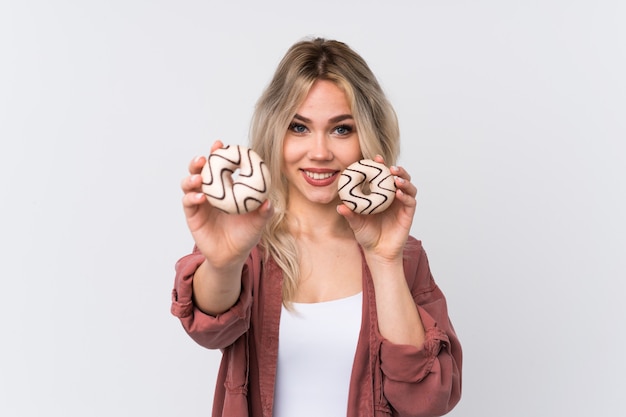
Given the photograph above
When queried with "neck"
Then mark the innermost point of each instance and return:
(320, 220)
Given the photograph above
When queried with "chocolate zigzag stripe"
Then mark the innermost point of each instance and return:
(214, 162)
(261, 170)
(251, 186)
(354, 190)
(380, 181)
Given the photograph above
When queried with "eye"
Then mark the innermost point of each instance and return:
(297, 127)
(344, 130)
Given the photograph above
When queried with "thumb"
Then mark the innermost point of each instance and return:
(261, 215)
(266, 210)
(353, 219)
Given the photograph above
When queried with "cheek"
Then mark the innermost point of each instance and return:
(289, 156)
(292, 150)
(352, 151)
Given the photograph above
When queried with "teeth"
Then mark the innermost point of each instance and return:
(318, 175)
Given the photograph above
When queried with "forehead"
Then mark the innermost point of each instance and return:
(325, 98)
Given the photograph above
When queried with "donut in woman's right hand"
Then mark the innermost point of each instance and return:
(237, 195)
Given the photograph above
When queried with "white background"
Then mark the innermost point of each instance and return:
(513, 126)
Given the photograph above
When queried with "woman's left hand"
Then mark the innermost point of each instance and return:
(384, 234)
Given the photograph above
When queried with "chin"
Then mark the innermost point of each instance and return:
(334, 200)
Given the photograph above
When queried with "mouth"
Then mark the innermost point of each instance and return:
(319, 177)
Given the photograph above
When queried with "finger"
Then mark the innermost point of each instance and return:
(407, 187)
(343, 210)
(193, 200)
(406, 199)
(379, 159)
(191, 183)
(266, 209)
(354, 220)
(400, 172)
(216, 145)
(196, 165)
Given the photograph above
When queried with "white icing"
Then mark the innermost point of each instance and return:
(380, 183)
(244, 193)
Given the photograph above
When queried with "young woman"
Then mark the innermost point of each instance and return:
(318, 311)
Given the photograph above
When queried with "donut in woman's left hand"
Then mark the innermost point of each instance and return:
(367, 187)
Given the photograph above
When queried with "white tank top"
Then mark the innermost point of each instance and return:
(316, 347)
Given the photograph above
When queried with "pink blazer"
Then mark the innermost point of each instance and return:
(387, 379)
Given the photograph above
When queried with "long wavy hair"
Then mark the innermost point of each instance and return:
(376, 123)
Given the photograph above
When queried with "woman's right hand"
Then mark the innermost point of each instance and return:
(224, 239)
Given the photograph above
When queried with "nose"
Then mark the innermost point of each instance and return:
(320, 149)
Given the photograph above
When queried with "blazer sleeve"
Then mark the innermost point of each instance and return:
(423, 381)
(212, 332)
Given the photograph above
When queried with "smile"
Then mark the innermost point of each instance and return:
(318, 175)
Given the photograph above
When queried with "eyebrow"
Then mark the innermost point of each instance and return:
(335, 119)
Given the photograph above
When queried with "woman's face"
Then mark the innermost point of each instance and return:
(321, 141)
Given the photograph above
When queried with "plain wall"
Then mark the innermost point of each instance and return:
(513, 127)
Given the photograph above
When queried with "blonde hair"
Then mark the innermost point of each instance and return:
(376, 123)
